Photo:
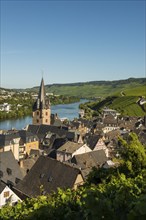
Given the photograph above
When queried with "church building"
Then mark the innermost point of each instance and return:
(41, 108)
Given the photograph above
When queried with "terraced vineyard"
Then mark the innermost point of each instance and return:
(126, 105)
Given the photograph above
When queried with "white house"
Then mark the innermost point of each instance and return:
(5, 107)
(7, 195)
(69, 149)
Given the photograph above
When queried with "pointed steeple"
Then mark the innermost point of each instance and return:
(41, 108)
(41, 102)
(42, 94)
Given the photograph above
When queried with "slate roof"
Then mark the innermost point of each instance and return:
(113, 134)
(89, 160)
(42, 130)
(50, 174)
(2, 186)
(59, 142)
(70, 135)
(87, 123)
(5, 139)
(91, 140)
(110, 120)
(28, 163)
(70, 147)
(9, 168)
(27, 136)
(33, 128)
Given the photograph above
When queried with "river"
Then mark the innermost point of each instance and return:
(69, 111)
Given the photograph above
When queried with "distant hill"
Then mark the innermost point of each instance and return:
(94, 89)
(131, 86)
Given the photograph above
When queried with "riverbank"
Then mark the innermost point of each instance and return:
(20, 105)
(69, 111)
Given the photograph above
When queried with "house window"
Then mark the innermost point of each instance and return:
(37, 121)
(6, 194)
(37, 113)
(46, 120)
(46, 113)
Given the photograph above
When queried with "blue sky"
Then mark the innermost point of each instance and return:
(71, 41)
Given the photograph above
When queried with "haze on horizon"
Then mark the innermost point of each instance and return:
(71, 41)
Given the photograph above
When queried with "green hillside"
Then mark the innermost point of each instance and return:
(126, 105)
(94, 89)
(128, 87)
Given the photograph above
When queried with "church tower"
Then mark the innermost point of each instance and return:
(41, 108)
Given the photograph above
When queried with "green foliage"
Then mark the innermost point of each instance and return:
(133, 154)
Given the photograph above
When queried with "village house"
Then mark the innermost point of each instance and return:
(108, 111)
(46, 176)
(96, 142)
(28, 141)
(69, 149)
(10, 172)
(7, 195)
(85, 162)
(19, 142)
(110, 123)
(10, 141)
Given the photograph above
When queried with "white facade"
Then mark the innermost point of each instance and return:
(7, 195)
(101, 146)
(107, 129)
(82, 150)
(64, 155)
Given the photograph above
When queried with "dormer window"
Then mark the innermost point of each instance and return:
(9, 171)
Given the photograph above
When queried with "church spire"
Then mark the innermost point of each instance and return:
(42, 94)
(41, 107)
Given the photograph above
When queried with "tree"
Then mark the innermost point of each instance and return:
(134, 155)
